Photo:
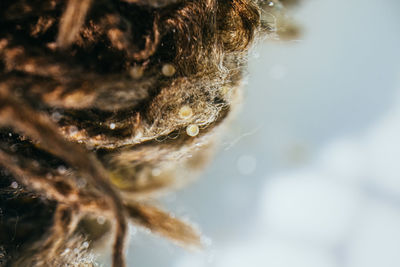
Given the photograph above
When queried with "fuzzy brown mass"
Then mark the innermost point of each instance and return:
(103, 105)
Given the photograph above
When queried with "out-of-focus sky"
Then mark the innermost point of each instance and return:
(308, 175)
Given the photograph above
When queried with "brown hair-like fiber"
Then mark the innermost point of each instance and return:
(105, 104)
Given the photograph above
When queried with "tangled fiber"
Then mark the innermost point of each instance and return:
(103, 105)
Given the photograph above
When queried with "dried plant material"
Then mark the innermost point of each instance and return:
(72, 21)
(163, 224)
(105, 104)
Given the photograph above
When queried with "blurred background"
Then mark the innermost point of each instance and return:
(308, 174)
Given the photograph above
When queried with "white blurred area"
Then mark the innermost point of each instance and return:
(309, 173)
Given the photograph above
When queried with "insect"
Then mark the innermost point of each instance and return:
(104, 105)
